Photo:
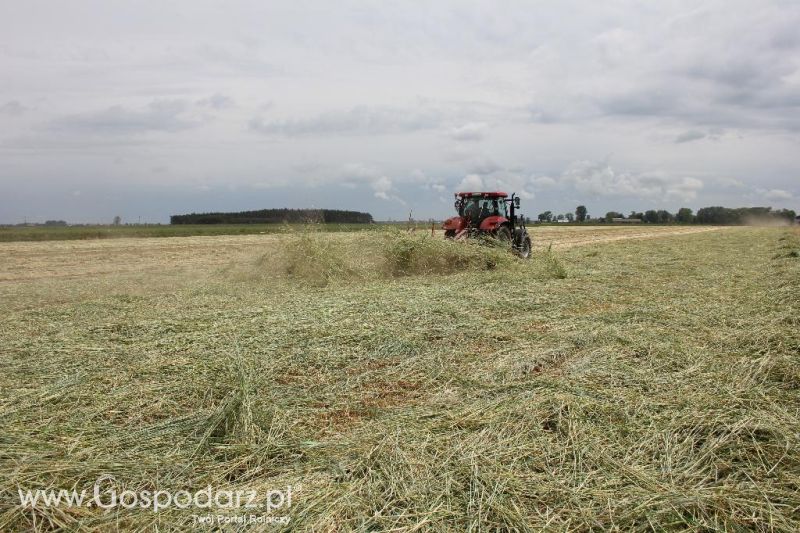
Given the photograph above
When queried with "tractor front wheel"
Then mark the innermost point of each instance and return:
(523, 249)
(503, 235)
(450, 234)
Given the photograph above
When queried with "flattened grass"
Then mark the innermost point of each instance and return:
(654, 387)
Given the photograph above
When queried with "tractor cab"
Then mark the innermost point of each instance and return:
(484, 211)
(478, 208)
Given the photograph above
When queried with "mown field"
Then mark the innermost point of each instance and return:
(624, 378)
(61, 233)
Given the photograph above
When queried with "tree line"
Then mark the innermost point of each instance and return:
(684, 215)
(276, 216)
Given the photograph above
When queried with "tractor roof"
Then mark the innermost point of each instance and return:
(494, 194)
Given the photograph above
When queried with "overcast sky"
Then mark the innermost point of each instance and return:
(146, 109)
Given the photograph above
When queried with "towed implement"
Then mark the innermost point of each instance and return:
(490, 214)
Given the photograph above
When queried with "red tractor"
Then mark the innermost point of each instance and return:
(491, 214)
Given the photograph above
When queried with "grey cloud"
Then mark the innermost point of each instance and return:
(701, 67)
(216, 101)
(363, 120)
(159, 115)
(641, 102)
(537, 113)
(484, 167)
(712, 134)
(688, 136)
(12, 109)
(741, 72)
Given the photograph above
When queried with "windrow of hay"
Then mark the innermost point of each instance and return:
(408, 254)
(317, 259)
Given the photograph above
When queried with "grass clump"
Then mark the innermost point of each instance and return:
(553, 264)
(315, 259)
(789, 247)
(410, 254)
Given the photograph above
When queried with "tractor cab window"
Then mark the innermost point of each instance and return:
(500, 205)
(471, 207)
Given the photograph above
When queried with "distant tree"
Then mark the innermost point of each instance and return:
(581, 213)
(117, 220)
(570, 217)
(547, 216)
(684, 216)
(55, 223)
(713, 215)
(613, 214)
(651, 216)
(560, 217)
(665, 217)
(275, 216)
(725, 215)
(634, 214)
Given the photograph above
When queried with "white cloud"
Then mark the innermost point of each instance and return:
(685, 188)
(472, 131)
(599, 178)
(356, 174)
(382, 186)
(513, 182)
(543, 182)
(427, 182)
(728, 182)
(777, 194)
(470, 183)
